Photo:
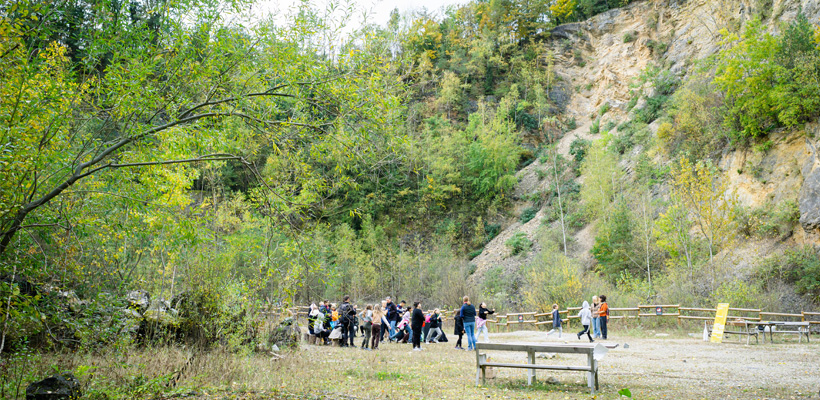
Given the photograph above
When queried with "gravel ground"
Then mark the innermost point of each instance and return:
(689, 368)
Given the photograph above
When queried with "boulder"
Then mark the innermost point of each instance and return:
(286, 334)
(58, 387)
(138, 300)
(809, 201)
(71, 300)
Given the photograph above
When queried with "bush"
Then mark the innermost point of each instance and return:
(528, 214)
(799, 266)
(578, 149)
(629, 37)
(519, 243)
(652, 110)
(595, 127)
(604, 108)
(572, 124)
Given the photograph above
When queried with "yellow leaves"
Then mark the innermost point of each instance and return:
(563, 9)
(817, 36)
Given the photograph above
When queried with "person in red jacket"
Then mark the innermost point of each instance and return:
(603, 313)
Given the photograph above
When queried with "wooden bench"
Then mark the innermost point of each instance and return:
(595, 352)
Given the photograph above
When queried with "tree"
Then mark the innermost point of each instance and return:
(185, 95)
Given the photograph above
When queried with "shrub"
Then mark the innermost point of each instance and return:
(629, 37)
(572, 124)
(632, 102)
(528, 214)
(492, 230)
(799, 266)
(519, 243)
(578, 149)
(652, 110)
(595, 127)
(604, 108)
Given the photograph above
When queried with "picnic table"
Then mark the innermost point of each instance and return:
(802, 328)
(595, 352)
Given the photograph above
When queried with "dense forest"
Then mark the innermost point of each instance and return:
(233, 163)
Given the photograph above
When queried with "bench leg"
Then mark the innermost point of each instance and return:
(530, 372)
(591, 375)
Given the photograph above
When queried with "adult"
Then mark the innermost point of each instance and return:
(586, 318)
(459, 329)
(314, 311)
(367, 320)
(468, 314)
(604, 316)
(481, 322)
(378, 316)
(417, 321)
(347, 315)
(319, 328)
(392, 315)
(384, 322)
(596, 323)
(434, 334)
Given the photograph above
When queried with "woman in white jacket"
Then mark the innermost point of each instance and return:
(586, 319)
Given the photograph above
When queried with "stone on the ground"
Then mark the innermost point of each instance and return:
(58, 387)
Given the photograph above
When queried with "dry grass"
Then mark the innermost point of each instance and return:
(669, 367)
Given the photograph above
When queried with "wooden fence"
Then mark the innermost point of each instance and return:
(650, 311)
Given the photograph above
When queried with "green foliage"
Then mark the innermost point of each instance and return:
(604, 108)
(572, 124)
(769, 81)
(519, 244)
(614, 247)
(629, 37)
(738, 293)
(603, 179)
(528, 214)
(799, 266)
(767, 221)
(578, 150)
(652, 110)
(595, 128)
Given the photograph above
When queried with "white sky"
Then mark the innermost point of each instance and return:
(379, 9)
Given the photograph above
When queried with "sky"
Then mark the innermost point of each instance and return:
(379, 9)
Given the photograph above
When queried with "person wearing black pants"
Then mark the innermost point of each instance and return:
(347, 315)
(586, 319)
(459, 330)
(604, 312)
(416, 322)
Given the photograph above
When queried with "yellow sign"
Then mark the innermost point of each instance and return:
(720, 322)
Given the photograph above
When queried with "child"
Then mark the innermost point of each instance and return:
(434, 334)
(367, 318)
(556, 321)
(459, 329)
(481, 323)
(586, 319)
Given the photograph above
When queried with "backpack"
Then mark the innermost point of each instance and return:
(345, 312)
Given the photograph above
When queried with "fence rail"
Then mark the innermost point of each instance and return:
(664, 311)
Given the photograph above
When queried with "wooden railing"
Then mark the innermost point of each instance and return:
(651, 311)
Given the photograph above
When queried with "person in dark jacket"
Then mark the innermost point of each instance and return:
(434, 334)
(393, 317)
(468, 314)
(347, 316)
(556, 321)
(416, 322)
(459, 329)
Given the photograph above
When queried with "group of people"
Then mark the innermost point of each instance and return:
(595, 317)
(400, 323)
(396, 322)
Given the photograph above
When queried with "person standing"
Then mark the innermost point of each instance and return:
(459, 329)
(481, 323)
(392, 316)
(468, 314)
(435, 331)
(556, 321)
(586, 318)
(604, 316)
(596, 324)
(417, 321)
(367, 319)
(347, 314)
(378, 316)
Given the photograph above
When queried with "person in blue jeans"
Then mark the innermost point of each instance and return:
(467, 313)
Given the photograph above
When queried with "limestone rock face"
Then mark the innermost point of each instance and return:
(809, 201)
